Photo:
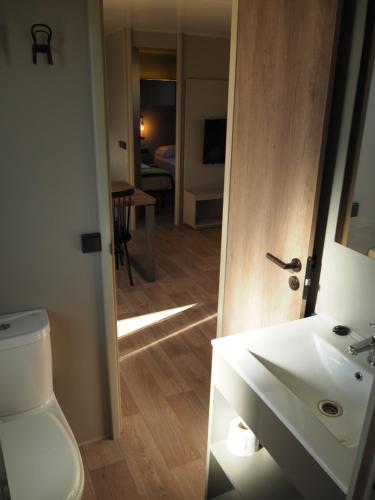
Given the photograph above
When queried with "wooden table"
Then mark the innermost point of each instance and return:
(145, 266)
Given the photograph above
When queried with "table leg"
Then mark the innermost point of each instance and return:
(150, 242)
(145, 265)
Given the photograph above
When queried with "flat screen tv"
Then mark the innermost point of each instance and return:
(214, 141)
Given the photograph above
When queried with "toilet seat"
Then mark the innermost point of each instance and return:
(42, 461)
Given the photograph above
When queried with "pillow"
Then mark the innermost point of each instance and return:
(166, 151)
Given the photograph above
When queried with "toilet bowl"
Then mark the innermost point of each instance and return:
(39, 457)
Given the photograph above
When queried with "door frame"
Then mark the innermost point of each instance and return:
(130, 102)
(228, 165)
(96, 46)
(178, 191)
(133, 123)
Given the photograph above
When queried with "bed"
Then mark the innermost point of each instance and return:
(154, 179)
(160, 175)
(165, 158)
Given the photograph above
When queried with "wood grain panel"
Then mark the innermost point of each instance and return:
(102, 453)
(284, 58)
(114, 482)
(88, 491)
(166, 429)
(190, 477)
(193, 416)
(146, 463)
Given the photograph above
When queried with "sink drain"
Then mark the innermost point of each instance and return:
(330, 408)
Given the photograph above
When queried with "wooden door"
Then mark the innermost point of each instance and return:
(284, 61)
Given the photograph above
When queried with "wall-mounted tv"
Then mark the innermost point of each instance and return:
(214, 141)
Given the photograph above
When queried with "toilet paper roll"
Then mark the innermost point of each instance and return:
(241, 440)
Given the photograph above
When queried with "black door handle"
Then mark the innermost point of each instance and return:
(295, 264)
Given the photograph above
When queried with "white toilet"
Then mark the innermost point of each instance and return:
(39, 457)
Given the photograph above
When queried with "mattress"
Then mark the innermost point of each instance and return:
(168, 164)
(155, 179)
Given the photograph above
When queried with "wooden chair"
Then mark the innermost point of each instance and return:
(121, 205)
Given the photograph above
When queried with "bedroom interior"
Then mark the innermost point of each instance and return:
(157, 70)
(166, 132)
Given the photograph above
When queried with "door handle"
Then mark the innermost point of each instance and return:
(294, 265)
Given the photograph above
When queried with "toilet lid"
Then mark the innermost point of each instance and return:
(41, 460)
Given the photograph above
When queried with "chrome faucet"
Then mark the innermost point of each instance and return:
(365, 345)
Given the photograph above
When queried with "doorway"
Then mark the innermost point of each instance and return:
(156, 171)
(165, 326)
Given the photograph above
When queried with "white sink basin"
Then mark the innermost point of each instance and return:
(330, 382)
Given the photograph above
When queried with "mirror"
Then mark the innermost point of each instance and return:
(356, 222)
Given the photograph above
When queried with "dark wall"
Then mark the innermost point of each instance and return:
(158, 108)
(160, 128)
(158, 93)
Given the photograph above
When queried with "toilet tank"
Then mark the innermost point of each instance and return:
(25, 361)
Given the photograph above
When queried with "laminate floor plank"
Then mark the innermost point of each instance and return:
(102, 453)
(127, 402)
(199, 344)
(114, 482)
(191, 478)
(192, 415)
(159, 416)
(164, 372)
(196, 374)
(146, 463)
(88, 492)
(172, 341)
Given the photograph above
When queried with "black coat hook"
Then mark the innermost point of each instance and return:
(44, 33)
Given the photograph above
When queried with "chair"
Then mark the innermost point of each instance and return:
(121, 204)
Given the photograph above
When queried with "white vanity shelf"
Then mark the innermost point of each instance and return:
(300, 458)
(256, 477)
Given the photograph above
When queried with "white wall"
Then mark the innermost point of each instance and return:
(154, 40)
(203, 99)
(203, 58)
(48, 198)
(117, 103)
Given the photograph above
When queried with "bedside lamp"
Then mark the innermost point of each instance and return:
(141, 128)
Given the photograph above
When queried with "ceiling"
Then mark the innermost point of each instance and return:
(198, 17)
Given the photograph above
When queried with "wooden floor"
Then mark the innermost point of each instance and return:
(165, 377)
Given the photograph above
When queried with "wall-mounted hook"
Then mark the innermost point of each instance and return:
(44, 33)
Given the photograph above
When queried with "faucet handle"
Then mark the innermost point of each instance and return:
(372, 324)
(362, 345)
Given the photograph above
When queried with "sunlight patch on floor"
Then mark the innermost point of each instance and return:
(132, 325)
(169, 336)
